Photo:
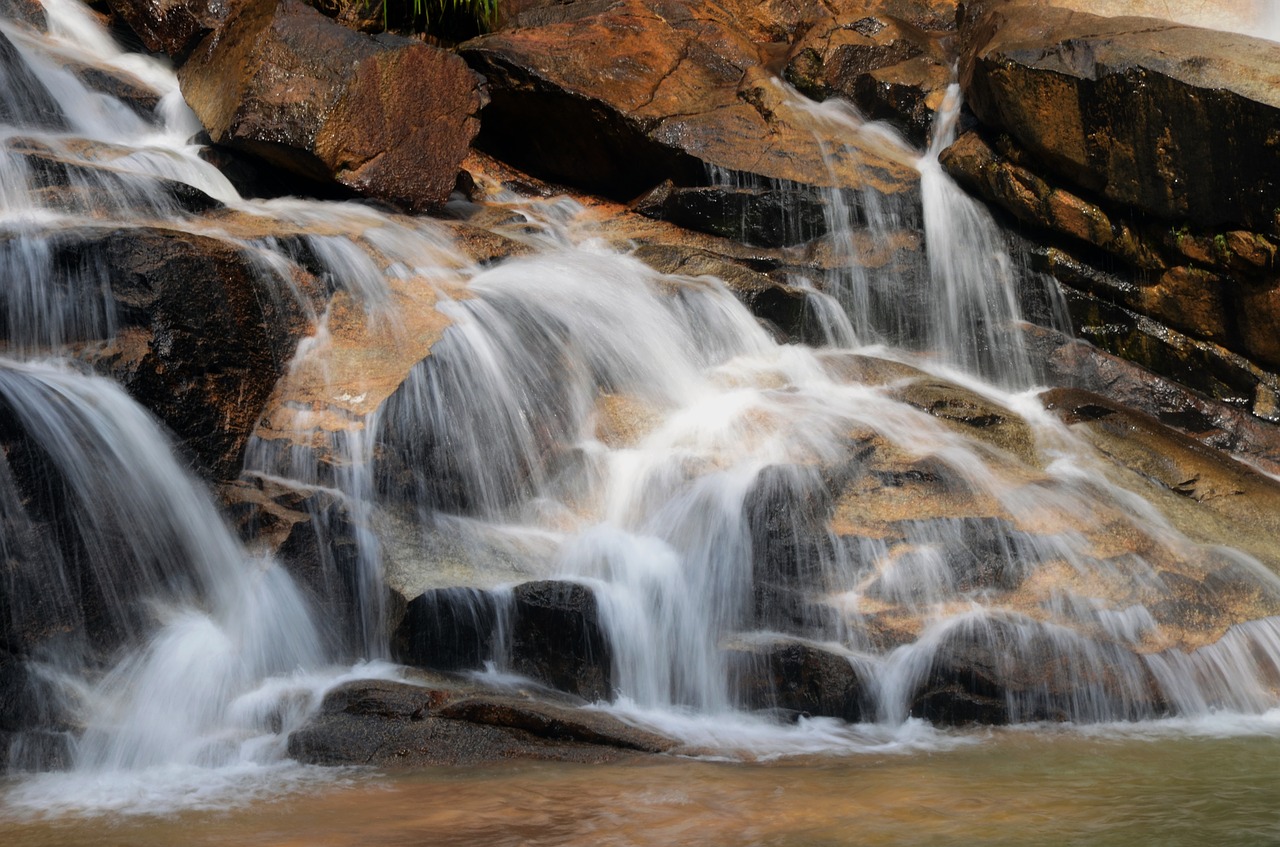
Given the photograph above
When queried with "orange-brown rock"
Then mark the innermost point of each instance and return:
(1179, 122)
(173, 27)
(388, 118)
(618, 98)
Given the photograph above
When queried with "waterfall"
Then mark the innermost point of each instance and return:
(895, 497)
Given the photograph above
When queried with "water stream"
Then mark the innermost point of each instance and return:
(582, 417)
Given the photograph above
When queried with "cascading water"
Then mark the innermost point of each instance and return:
(728, 498)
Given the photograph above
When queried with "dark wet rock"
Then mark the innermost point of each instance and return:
(28, 103)
(130, 90)
(798, 676)
(1214, 286)
(786, 511)
(1176, 121)
(448, 629)
(995, 671)
(392, 724)
(311, 533)
(554, 722)
(1203, 366)
(201, 336)
(782, 306)
(682, 89)
(1230, 428)
(906, 95)
(769, 217)
(889, 68)
(88, 185)
(284, 83)
(556, 638)
(173, 27)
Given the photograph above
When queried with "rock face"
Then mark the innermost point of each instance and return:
(1140, 152)
(190, 327)
(886, 58)
(1177, 121)
(173, 27)
(796, 676)
(618, 97)
(388, 118)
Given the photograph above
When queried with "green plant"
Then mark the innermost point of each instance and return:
(483, 13)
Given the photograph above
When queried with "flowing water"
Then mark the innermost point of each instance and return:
(584, 417)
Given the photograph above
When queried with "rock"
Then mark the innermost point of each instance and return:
(972, 414)
(781, 217)
(682, 91)
(994, 670)
(173, 27)
(1203, 366)
(392, 724)
(557, 638)
(448, 629)
(312, 534)
(1176, 121)
(29, 12)
(891, 69)
(284, 83)
(124, 86)
(1077, 364)
(1215, 287)
(555, 722)
(202, 336)
(1208, 496)
(27, 103)
(799, 676)
(79, 179)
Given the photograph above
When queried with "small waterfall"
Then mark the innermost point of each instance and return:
(140, 552)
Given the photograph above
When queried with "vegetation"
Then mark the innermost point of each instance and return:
(442, 16)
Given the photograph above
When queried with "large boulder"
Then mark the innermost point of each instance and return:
(1176, 121)
(388, 118)
(442, 722)
(617, 97)
(191, 327)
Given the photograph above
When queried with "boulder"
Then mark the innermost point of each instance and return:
(995, 670)
(173, 27)
(799, 676)
(445, 722)
(557, 638)
(201, 335)
(1175, 121)
(449, 629)
(616, 98)
(1210, 497)
(1216, 286)
(388, 118)
(29, 12)
(890, 68)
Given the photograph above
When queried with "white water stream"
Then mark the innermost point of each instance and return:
(594, 420)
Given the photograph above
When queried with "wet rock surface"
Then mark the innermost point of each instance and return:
(556, 638)
(682, 90)
(798, 677)
(284, 83)
(449, 722)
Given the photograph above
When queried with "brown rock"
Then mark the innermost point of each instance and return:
(201, 339)
(388, 118)
(1177, 121)
(678, 90)
(173, 27)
